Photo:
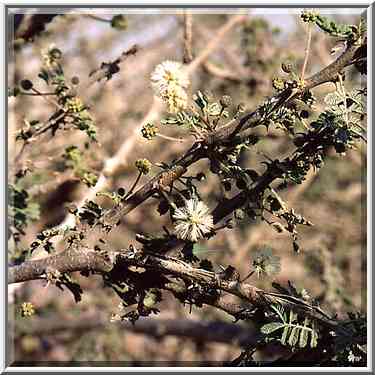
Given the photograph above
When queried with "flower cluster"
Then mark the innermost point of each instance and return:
(149, 131)
(193, 221)
(27, 309)
(74, 105)
(170, 81)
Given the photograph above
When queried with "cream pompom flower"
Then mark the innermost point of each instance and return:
(170, 81)
(193, 221)
(167, 74)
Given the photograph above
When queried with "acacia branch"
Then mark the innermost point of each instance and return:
(93, 261)
(67, 261)
(252, 119)
(224, 208)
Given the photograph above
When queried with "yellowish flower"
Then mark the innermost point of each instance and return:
(27, 309)
(176, 99)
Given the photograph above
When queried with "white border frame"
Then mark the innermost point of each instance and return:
(217, 3)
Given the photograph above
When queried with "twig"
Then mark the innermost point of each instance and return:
(97, 18)
(188, 36)
(246, 123)
(91, 260)
(66, 261)
(134, 185)
(213, 44)
(107, 70)
(307, 50)
(163, 136)
(221, 72)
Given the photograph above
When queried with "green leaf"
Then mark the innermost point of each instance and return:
(293, 337)
(271, 327)
(279, 311)
(314, 335)
(314, 339)
(303, 338)
(284, 335)
(201, 100)
(44, 75)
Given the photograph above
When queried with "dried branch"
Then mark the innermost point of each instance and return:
(214, 43)
(188, 36)
(221, 72)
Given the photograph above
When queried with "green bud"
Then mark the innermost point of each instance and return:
(119, 22)
(149, 131)
(143, 165)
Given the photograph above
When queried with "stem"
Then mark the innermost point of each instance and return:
(53, 102)
(134, 185)
(35, 94)
(97, 18)
(170, 138)
(307, 51)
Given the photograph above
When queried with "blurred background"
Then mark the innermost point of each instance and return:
(332, 262)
